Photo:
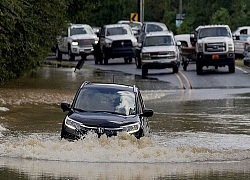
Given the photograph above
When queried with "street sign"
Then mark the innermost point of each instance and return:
(134, 17)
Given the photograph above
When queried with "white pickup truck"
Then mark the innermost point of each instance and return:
(78, 40)
(214, 46)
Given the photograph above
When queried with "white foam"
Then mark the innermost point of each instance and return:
(4, 109)
(125, 148)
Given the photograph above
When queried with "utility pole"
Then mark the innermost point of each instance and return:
(180, 6)
(140, 10)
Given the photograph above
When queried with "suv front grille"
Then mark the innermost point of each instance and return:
(215, 47)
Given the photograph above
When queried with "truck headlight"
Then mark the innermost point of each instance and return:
(146, 56)
(230, 47)
(74, 43)
(135, 43)
(200, 47)
(108, 43)
(132, 128)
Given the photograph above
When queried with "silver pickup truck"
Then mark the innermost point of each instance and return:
(77, 40)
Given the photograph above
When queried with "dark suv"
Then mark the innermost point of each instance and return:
(105, 109)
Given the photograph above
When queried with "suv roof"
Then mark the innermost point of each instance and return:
(110, 85)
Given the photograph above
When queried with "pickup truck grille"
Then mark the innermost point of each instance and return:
(85, 42)
(215, 47)
(122, 44)
(161, 55)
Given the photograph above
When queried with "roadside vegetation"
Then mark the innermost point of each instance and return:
(28, 28)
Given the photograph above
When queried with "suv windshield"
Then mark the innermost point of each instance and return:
(80, 30)
(158, 41)
(106, 100)
(213, 32)
(118, 31)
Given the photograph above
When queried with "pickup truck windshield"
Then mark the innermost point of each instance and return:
(118, 31)
(80, 30)
(214, 32)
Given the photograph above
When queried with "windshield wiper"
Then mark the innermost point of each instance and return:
(110, 112)
(81, 110)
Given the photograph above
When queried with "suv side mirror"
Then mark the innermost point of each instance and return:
(147, 113)
(65, 106)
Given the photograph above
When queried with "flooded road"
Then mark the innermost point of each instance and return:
(196, 134)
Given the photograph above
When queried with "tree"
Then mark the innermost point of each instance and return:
(27, 32)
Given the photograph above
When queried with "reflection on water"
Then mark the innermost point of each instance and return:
(196, 134)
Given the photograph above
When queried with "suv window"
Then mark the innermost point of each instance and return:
(158, 41)
(102, 99)
(80, 30)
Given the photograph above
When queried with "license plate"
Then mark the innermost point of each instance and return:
(215, 56)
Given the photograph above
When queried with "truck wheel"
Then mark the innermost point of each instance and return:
(126, 60)
(144, 71)
(58, 54)
(231, 68)
(71, 56)
(198, 68)
(175, 69)
(138, 62)
(106, 60)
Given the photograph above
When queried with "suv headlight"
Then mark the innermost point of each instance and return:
(70, 123)
(132, 128)
(200, 47)
(74, 43)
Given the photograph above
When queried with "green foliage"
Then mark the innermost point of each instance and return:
(27, 32)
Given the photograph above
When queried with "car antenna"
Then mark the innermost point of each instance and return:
(113, 78)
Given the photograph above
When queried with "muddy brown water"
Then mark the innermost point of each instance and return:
(195, 134)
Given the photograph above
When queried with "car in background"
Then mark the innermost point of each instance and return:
(184, 39)
(148, 27)
(116, 41)
(96, 29)
(106, 109)
(240, 43)
(77, 40)
(241, 30)
(135, 26)
(158, 50)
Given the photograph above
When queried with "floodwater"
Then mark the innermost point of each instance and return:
(196, 134)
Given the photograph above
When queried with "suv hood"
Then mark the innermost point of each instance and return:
(158, 49)
(96, 119)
